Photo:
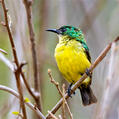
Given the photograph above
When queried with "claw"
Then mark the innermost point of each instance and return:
(69, 90)
(88, 73)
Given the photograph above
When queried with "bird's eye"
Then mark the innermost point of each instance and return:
(63, 30)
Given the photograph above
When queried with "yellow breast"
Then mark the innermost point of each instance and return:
(71, 60)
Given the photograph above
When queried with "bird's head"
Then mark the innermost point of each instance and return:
(68, 31)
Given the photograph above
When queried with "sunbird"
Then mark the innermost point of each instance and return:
(73, 60)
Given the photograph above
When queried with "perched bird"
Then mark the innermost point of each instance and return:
(73, 59)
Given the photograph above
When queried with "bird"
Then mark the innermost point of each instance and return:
(73, 60)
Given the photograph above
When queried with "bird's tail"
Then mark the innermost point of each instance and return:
(87, 95)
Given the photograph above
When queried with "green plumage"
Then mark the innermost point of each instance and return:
(74, 33)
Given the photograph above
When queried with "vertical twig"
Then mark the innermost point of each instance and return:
(54, 82)
(28, 6)
(62, 94)
(63, 105)
(65, 102)
(17, 74)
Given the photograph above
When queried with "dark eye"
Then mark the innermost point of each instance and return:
(63, 30)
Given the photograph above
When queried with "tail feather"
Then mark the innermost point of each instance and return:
(87, 95)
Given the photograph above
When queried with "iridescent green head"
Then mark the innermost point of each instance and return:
(72, 33)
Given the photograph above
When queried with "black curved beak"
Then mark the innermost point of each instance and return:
(54, 31)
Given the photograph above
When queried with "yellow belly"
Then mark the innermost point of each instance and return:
(72, 61)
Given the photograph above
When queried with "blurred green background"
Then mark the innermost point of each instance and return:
(98, 19)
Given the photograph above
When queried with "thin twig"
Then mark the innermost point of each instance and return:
(19, 115)
(28, 87)
(63, 105)
(60, 92)
(19, 87)
(6, 24)
(54, 82)
(6, 61)
(3, 51)
(28, 6)
(70, 114)
(78, 83)
(17, 76)
(29, 104)
(52, 115)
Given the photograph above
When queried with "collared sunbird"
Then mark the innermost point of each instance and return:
(73, 59)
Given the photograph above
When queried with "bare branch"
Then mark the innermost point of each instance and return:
(6, 24)
(28, 7)
(14, 52)
(78, 83)
(52, 115)
(3, 51)
(63, 105)
(6, 61)
(60, 92)
(29, 104)
(17, 75)
(70, 114)
(54, 82)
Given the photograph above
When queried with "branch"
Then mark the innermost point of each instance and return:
(6, 61)
(28, 6)
(3, 51)
(17, 76)
(52, 115)
(54, 82)
(63, 105)
(29, 104)
(6, 24)
(65, 102)
(78, 83)
(60, 92)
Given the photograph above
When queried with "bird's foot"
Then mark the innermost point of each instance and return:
(88, 73)
(69, 90)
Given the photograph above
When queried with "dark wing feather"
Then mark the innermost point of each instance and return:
(88, 55)
(86, 50)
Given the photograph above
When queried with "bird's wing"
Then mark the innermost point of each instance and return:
(83, 42)
(88, 54)
(86, 50)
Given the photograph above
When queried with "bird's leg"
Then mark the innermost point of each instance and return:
(88, 73)
(69, 90)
